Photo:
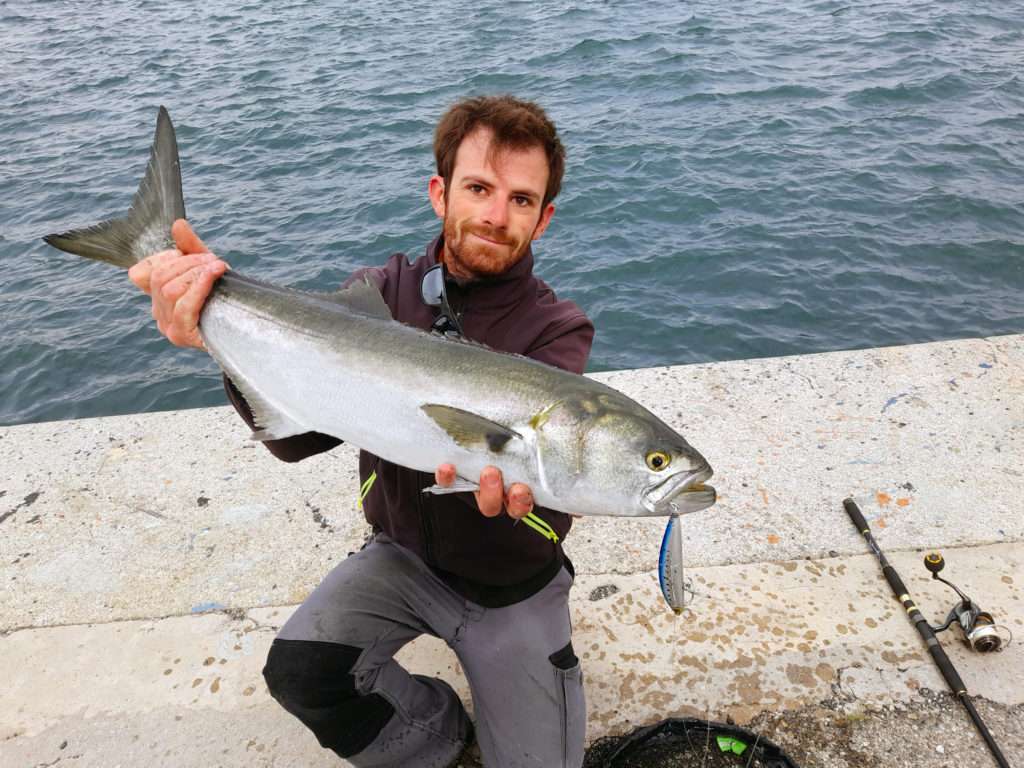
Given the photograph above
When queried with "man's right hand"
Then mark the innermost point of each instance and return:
(179, 282)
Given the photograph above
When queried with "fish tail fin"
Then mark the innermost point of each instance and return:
(155, 207)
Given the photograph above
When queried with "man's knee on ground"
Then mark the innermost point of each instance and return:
(313, 681)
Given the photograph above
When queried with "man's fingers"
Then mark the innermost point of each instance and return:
(491, 496)
(186, 239)
(185, 330)
(141, 273)
(175, 279)
(166, 270)
(444, 475)
(520, 501)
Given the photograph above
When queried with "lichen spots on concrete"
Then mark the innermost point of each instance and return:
(825, 672)
(800, 675)
(641, 657)
(693, 662)
(896, 658)
(748, 686)
(740, 662)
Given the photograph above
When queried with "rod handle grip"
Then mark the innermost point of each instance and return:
(949, 673)
(855, 515)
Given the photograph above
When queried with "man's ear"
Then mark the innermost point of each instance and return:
(436, 191)
(545, 219)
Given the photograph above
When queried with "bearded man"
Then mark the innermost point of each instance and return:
(457, 566)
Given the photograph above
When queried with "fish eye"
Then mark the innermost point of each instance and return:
(658, 460)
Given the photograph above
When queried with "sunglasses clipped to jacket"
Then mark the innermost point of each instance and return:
(434, 294)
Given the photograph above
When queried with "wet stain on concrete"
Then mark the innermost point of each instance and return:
(27, 502)
(603, 591)
(207, 607)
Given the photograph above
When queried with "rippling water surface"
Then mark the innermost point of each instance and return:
(743, 181)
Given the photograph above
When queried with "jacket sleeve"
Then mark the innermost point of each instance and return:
(566, 345)
(289, 449)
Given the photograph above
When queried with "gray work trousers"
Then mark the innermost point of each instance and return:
(526, 682)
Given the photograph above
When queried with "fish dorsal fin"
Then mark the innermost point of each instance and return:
(470, 430)
(362, 296)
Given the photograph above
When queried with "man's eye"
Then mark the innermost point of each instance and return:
(521, 201)
(476, 188)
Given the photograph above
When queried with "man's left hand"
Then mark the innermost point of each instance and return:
(491, 498)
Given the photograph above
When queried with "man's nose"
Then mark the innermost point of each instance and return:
(496, 214)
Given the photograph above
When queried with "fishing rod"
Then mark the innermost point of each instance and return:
(934, 564)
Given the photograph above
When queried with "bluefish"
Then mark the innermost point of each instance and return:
(337, 363)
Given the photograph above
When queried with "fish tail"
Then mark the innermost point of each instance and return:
(147, 227)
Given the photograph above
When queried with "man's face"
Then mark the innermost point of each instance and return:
(492, 209)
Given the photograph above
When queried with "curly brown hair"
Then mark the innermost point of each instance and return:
(516, 124)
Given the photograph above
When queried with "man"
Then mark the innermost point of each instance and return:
(454, 566)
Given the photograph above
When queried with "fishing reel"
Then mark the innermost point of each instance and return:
(979, 629)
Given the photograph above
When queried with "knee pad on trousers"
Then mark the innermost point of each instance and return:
(313, 681)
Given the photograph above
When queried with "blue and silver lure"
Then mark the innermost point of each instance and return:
(670, 566)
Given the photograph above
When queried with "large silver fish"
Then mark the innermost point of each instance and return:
(339, 364)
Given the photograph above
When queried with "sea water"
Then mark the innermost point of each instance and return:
(743, 179)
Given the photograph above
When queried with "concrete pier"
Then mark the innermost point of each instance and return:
(147, 560)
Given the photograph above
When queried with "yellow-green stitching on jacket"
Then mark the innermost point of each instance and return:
(365, 489)
(540, 526)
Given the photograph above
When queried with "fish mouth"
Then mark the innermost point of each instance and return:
(681, 494)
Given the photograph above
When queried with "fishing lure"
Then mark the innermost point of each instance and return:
(670, 566)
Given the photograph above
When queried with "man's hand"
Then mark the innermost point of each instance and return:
(179, 282)
(491, 497)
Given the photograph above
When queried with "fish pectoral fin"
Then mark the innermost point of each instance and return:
(459, 486)
(470, 430)
(362, 296)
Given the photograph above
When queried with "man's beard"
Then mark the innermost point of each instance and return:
(466, 256)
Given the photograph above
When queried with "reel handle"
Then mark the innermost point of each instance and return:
(934, 562)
